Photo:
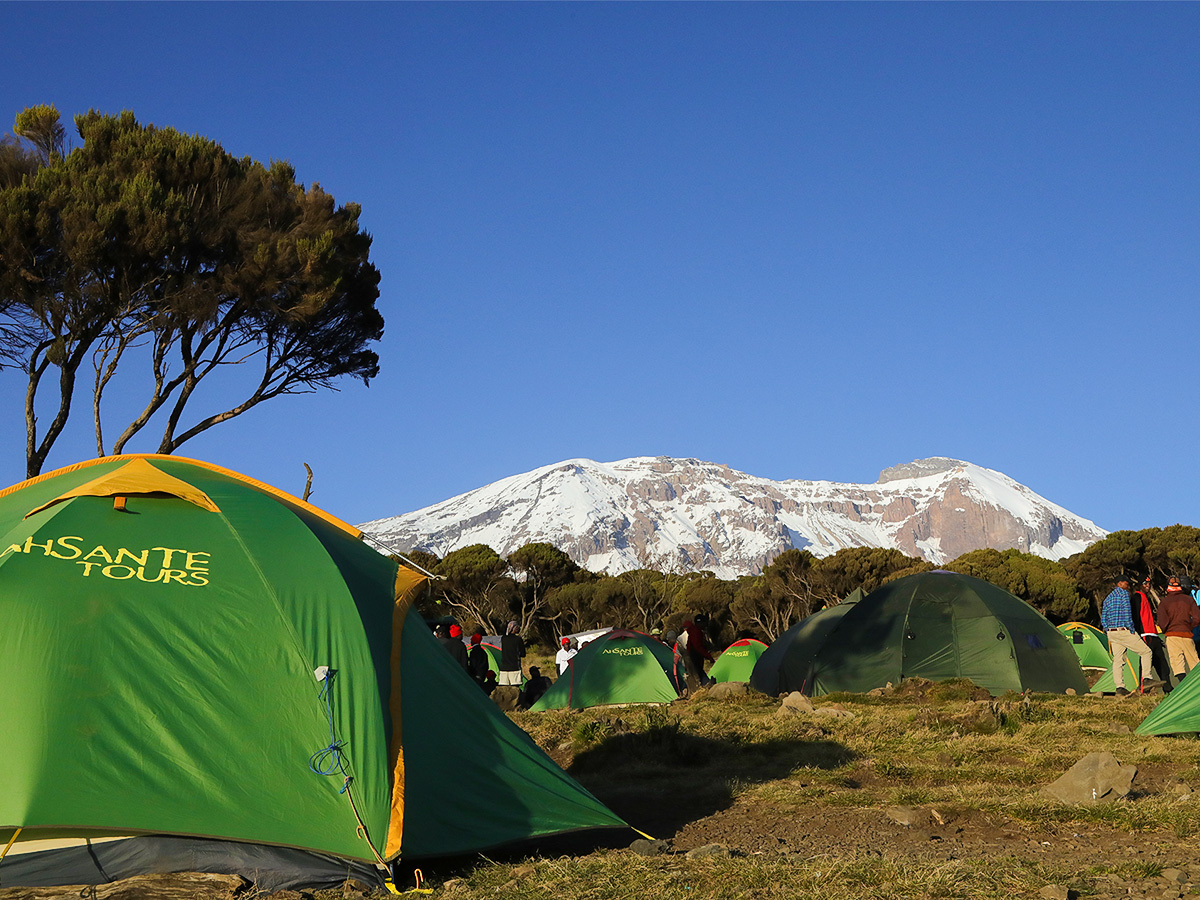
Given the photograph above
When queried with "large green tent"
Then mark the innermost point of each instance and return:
(787, 664)
(1089, 644)
(935, 625)
(737, 660)
(190, 652)
(618, 667)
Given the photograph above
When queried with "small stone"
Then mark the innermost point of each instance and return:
(1055, 892)
(453, 884)
(643, 847)
(1071, 692)
(708, 850)
(908, 816)
(1174, 875)
(1181, 789)
(523, 871)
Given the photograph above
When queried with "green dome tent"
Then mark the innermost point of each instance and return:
(787, 665)
(193, 654)
(934, 625)
(618, 667)
(737, 661)
(1089, 644)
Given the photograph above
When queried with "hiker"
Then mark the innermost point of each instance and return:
(1143, 608)
(1178, 616)
(512, 650)
(697, 646)
(1116, 619)
(453, 645)
(477, 660)
(489, 682)
(564, 654)
(537, 685)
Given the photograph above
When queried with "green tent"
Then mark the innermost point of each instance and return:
(618, 667)
(190, 652)
(935, 625)
(1179, 713)
(1089, 644)
(737, 661)
(787, 665)
(1133, 667)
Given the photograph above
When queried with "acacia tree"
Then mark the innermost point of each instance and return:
(148, 238)
(541, 566)
(475, 581)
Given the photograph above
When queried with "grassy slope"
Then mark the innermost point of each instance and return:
(690, 770)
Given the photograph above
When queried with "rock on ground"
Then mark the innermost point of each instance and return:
(1097, 778)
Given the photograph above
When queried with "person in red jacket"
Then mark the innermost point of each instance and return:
(1178, 616)
(1144, 601)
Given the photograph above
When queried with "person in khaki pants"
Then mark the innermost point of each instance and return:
(1116, 618)
(1178, 617)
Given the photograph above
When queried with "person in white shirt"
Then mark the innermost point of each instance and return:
(564, 654)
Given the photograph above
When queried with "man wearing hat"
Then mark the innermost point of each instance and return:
(1178, 617)
(564, 654)
(1116, 618)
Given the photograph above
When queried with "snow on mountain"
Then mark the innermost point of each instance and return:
(684, 514)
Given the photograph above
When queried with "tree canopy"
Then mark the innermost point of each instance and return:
(147, 246)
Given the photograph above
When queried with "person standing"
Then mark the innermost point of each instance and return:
(1116, 618)
(564, 655)
(1144, 604)
(697, 646)
(1178, 617)
(477, 660)
(512, 651)
(453, 643)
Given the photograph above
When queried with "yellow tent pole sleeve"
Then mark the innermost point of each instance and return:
(642, 833)
(11, 841)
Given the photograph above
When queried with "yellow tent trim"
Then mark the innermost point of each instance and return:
(135, 477)
(408, 585)
(237, 476)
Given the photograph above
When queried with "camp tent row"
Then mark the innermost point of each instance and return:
(935, 625)
(230, 680)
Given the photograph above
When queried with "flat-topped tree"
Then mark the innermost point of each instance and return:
(148, 238)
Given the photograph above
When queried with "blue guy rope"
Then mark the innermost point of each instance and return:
(330, 760)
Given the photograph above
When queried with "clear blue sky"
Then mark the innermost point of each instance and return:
(806, 240)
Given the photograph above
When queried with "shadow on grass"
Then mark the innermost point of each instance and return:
(662, 779)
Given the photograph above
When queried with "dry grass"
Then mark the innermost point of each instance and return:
(936, 747)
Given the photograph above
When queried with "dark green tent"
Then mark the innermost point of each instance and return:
(935, 625)
(193, 653)
(618, 667)
(787, 665)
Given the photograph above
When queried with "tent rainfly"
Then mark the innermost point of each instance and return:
(1089, 643)
(935, 625)
(230, 680)
(737, 661)
(617, 667)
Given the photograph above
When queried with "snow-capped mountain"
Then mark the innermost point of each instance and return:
(658, 512)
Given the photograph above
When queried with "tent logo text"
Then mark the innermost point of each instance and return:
(624, 651)
(162, 565)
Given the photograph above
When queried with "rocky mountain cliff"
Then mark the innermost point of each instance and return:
(685, 514)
